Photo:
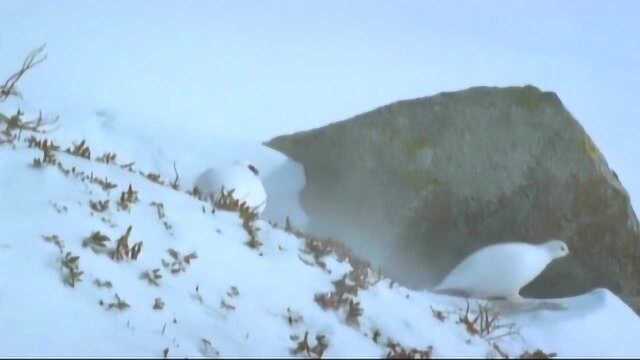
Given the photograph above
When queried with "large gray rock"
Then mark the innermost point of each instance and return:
(417, 185)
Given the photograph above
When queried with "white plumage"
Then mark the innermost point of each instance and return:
(242, 177)
(501, 270)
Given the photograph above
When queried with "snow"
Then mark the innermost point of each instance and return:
(599, 314)
(202, 87)
(284, 185)
(40, 315)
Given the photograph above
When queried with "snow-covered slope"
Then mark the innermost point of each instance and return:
(199, 287)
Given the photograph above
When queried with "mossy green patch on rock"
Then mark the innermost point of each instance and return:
(414, 146)
(420, 179)
(590, 148)
(531, 98)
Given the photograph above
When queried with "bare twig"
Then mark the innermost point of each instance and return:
(176, 183)
(16, 122)
(34, 58)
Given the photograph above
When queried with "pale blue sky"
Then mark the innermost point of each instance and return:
(262, 68)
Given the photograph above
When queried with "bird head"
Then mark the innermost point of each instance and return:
(556, 248)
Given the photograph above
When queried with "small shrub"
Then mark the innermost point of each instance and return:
(178, 262)
(103, 284)
(71, 269)
(107, 158)
(293, 318)
(396, 351)
(226, 306)
(304, 348)
(158, 304)
(354, 311)
(99, 206)
(54, 239)
(129, 166)
(485, 323)
(161, 216)
(153, 177)
(118, 304)
(48, 158)
(80, 150)
(97, 242)
(207, 349)
(224, 200)
(44, 144)
(60, 209)
(438, 314)
(128, 198)
(123, 251)
(537, 354)
(153, 277)
(249, 217)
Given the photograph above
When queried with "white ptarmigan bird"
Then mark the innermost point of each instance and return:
(499, 271)
(242, 177)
